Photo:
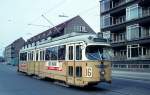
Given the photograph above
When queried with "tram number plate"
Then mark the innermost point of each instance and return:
(88, 71)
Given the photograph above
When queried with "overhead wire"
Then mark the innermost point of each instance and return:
(88, 10)
(50, 10)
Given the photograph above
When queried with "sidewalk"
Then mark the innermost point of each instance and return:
(132, 75)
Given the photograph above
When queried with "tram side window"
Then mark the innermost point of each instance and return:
(23, 56)
(54, 53)
(70, 70)
(32, 53)
(47, 54)
(78, 52)
(61, 52)
(42, 55)
(29, 56)
(70, 52)
(37, 56)
(78, 71)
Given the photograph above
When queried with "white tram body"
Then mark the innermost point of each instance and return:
(78, 59)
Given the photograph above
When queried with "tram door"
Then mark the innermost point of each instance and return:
(70, 64)
(74, 68)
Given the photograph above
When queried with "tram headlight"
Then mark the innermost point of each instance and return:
(102, 72)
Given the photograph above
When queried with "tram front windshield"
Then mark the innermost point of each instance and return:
(97, 52)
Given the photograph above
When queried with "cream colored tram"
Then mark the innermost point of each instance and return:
(75, 59)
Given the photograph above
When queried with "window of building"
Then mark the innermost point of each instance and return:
(134, 51)
(121, 36)
(78, 71)
(78, 52)
(133, 32)
(80, 28)
(105, 21)
(144, 51)
(145, 31)
(146, 66)
(132, 12)
(123, 53)
(105, 5)
(61, 52)
(115, 53)
(70, 70)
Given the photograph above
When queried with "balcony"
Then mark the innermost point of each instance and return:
(145, 12)
(108, 21)
(118, 37)
(119, 58)
(120, 54)
(118, 20)
(137, 32)
(116, 3)
(138, 51)
(107, 5)
(122, 18)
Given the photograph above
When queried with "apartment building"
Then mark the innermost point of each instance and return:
(11, 53)
(128, 24)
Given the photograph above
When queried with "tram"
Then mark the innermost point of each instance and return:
(77, 59)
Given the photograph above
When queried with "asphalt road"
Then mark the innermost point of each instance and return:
(13, 83)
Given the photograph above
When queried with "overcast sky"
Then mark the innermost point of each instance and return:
(16, 15)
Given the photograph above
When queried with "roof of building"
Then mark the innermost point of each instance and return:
(52, 32)
(16, 41)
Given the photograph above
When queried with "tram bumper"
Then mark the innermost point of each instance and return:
(105, 73)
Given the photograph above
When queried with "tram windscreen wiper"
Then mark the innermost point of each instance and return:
(94, 57)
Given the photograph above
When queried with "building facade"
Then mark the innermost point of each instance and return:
(76, 24)
(1, 59)
(128, 24)
(11, 53)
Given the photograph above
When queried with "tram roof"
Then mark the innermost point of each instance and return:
(89, 39)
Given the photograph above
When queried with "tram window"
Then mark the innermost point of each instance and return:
(61, 52)
(70, 70)
(23, 56)
(37, 55)
(32, 55)
(70, 52)
(78, 71)
(78, 52)
(47, 54)
(54, 53)
(41, 55)
(29, 56)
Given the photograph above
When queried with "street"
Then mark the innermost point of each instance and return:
(14, 83)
